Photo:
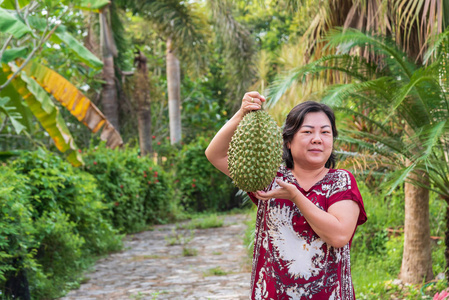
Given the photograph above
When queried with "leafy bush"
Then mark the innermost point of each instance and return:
(17, 232)
(54, 223)
(137, 191)
(202, 186)
(61, 255)
(379, 250)
(57, 186)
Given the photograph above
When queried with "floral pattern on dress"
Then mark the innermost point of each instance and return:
(290, 260)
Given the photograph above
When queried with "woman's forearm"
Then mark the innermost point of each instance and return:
(336, 226)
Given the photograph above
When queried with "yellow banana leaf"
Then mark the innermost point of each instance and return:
(75, 101)
(46, 113)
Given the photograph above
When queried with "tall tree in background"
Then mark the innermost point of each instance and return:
(109, 98)
(142, 94)
(174, 93)
(185, 28)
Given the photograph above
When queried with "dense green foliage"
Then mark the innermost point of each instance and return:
(58, 218)
(137, 192)
(378, 245)
(201, 185)
(53, 225)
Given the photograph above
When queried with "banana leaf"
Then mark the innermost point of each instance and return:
(62, 36)
(93, 5)
(12, 25)
(15, 100)
(83, 4)
(75, 101)
(11, 4)
(14, 53)
(47, 114)
(13, 115)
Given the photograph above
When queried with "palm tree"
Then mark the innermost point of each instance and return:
(406, 128)
(109, 97)
(184, 26)
(142, 92)
(410, 24)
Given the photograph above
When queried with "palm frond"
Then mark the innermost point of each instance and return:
(429, 137)
(369, 119)
(356, 68)
(345, 40)
(238, 45)
(183, 22)
(418, 98)
(385, 146)
(395, 178)
(435, 46)
(338, 93)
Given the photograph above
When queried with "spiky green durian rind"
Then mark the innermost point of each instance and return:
(255, 152)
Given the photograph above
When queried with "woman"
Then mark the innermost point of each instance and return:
(307, 217)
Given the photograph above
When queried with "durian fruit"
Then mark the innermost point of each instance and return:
(255, 151)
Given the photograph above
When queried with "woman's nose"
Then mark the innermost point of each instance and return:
(316, 139)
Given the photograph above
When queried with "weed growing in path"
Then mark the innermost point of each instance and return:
(217, 271)
(209, 221)
(178, 238)
(187, 251)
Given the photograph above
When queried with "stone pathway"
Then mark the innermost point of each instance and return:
(149, 268)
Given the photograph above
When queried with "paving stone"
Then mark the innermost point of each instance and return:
(148, 268)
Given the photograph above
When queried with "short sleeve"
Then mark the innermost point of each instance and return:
(348, 190)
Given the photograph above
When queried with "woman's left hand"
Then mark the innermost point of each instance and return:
(286, 191)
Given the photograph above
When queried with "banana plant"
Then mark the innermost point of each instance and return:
(26, 84)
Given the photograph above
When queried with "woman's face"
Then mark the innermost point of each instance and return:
(311, 145)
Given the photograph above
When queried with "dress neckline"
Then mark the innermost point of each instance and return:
(315, 184)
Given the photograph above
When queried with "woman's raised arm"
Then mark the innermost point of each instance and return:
(217, 151)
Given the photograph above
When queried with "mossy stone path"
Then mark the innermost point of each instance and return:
(149, 268)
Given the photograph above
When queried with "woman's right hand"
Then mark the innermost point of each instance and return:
(251, 101)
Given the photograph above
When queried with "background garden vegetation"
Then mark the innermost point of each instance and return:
(159, 78)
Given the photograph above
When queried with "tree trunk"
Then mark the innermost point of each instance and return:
(416, 260)
(142, 94)
(446, 239)
(174, 94)
(109, 98)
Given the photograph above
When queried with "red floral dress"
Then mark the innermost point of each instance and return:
(290, 260)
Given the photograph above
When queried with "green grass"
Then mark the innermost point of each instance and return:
(204, 222)
(179, 238)
(217, 271)
(187, 251)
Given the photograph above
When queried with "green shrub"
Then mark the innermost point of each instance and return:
(201, 185)
(57, 186)
(17, 232)
(379, 250)
(137, 191)
(53, 218)
(60, 255)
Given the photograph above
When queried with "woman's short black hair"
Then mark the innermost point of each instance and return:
(294, 120)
